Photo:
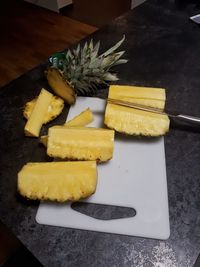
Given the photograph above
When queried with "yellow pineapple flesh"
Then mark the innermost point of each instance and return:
(80, 143)
(36, 119)
(133, 121)
(152, 97)
(58, 181)
(54, 109)
(82, 119)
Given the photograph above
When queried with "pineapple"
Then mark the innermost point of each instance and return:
(82, 119)
(134, 121)
(152, 97)
(60, 86)
(54, 109)
(58, 181)
(36, 119)
(83, 71)
(80, 143)
(44, 139)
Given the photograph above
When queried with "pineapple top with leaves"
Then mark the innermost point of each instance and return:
(84, 70)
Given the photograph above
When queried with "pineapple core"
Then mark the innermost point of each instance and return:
(134, 121)
(58, 181)
(80, 143)
(36, 119)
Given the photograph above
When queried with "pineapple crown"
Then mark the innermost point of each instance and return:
(85, 70)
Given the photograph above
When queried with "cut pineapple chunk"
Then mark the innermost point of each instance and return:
(80, 143)
(152, 97)
(58, 181)
(54, 109)
(44, 140)
(82, 119)
(135, 122)
(36, 119)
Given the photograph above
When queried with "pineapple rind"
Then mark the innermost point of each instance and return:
(80, 143)
(55, 108)
(60, 86)
(135, 122)
(58, 181)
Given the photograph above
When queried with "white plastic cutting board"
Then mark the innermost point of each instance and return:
(135, 177)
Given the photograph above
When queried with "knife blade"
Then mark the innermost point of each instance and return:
(187, 118)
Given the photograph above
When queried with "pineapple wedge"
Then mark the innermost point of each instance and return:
(152, 97)
(36, 119)
(58, 181)
(80, 143)
(82, 119)
(135, 122)
(54, 109)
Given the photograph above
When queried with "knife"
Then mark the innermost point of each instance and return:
(186, 118)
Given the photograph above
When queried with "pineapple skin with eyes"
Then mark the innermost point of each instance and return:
(80, 143)
(58, 181)
(55, 108)
(135, 122)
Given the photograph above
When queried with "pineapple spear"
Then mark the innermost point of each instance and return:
(82, 71)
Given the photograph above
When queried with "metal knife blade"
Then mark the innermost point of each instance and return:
(136, 106)
(187, 118)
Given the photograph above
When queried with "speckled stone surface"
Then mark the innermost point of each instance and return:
(163, 48)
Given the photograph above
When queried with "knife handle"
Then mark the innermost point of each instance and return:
(191, 119)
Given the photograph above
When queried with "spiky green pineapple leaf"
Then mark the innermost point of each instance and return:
(113, 48)
(85, 70)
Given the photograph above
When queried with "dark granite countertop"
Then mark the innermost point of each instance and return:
(163, 48)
